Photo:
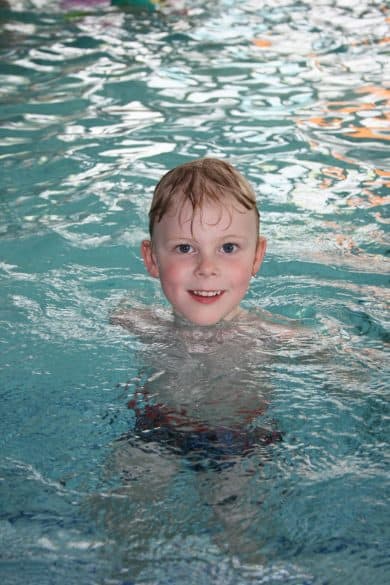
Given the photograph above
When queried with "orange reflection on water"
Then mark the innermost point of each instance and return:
(368, 199)
(332, 175)
(370, 98)
(262, 43)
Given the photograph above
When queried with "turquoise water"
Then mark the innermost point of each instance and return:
(97, 102)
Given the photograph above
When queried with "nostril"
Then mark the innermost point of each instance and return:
(206, 267)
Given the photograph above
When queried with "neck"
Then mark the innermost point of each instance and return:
(181, 321)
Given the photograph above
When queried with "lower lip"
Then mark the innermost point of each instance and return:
(205, 300)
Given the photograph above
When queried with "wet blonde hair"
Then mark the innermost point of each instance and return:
(199, 181)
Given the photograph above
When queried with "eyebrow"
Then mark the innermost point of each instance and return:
(190, 238)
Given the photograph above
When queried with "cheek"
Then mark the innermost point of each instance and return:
(241, 273)
(171, 271)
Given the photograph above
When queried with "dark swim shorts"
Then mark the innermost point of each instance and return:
(203, 447)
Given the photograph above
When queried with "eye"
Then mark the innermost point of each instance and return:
(184, 248)
(229, 248)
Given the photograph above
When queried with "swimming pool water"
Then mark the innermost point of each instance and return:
(97, 102)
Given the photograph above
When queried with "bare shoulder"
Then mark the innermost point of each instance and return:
(277, 326)
(139, 319)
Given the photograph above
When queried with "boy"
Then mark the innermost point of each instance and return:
(203, 398)
(204, 247)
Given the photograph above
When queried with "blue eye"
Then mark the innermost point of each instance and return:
(229, 248)
(184, 248)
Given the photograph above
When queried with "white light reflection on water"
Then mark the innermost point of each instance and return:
(96, 103)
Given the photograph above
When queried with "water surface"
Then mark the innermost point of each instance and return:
(97, 102)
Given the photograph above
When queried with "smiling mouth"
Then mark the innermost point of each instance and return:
(206, 296)
(206, 293)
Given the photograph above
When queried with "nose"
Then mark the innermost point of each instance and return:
(206, 266)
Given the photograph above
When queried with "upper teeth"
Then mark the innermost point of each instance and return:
(207, 293)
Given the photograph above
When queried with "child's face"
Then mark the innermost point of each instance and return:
(205, 260)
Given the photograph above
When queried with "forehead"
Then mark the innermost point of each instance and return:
(223, 216)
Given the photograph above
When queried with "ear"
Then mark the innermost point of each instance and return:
(259, 255)
(149, 258)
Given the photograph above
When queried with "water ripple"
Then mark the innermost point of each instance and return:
(97, 102)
